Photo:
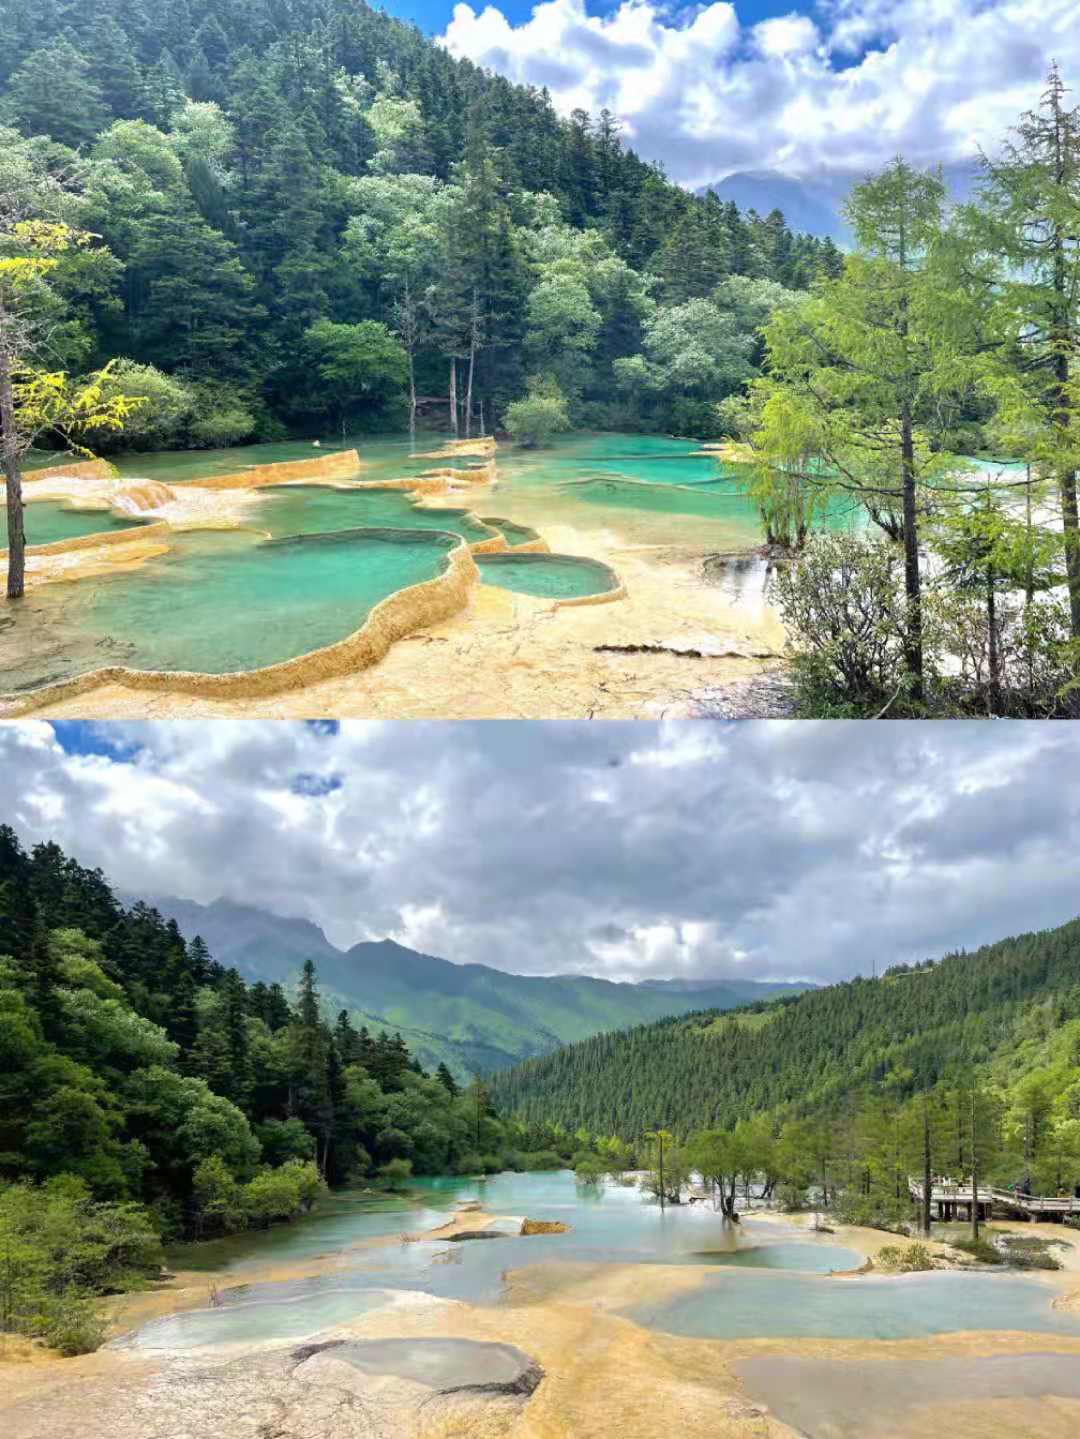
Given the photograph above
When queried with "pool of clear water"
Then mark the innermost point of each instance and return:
(557, 577)
(48, 520)
(268, 1319)
(322, 509)
(760, 1278)
(216, 602)
(790, 1305)
(639, 488)
(219, 602)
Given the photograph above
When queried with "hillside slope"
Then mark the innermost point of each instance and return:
(909, 1028)
(471, 1016)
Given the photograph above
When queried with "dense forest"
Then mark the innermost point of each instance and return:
(815, 1081)
(147, 1093)
(304, 212)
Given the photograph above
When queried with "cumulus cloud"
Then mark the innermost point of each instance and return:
(633, 851)
(707, 95)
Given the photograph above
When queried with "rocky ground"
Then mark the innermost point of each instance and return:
(554, 1360)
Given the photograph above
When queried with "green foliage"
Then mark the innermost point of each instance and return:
(139, 1078)
(250, 184)
(396, 1173)
(981, 1250)
(1017, 999)
(842, 603)
(904, 1259)
(58, 1249)
(359, 367)
(542, 413)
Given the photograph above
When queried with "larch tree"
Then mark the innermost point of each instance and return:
(1027, 224)
(864, 377)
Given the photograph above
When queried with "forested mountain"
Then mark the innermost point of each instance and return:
(305, 209)
(469, 1016)
(1001, 1009)
(135, 1063)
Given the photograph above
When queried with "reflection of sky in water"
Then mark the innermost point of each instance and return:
(756, 1277)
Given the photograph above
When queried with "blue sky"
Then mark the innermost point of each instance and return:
(838, 87)
(433, 16)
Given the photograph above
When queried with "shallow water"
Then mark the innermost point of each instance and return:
(833, 1397)
(790, 1305)
(276, 1319)
(761, 1278)
(46, 521)
(442, 1364)
(321, 509)
(557, 577)
(219, 601)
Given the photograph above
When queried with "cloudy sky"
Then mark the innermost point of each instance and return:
(630, 851)
(713, 88)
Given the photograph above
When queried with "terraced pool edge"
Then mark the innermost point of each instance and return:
(156, 529)
(394, 617)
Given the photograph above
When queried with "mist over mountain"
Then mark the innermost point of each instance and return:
(470, 1016)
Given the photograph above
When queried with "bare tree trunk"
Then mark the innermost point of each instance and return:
(927, 1179)
(913, 644)
(474, 337)
(974, 1172)
(994, 706)
(9, 459)
(453, 397)
(1029, 576)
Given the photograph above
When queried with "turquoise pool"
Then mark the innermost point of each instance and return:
(559, 577)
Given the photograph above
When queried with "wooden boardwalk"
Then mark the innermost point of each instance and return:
(949, 1199)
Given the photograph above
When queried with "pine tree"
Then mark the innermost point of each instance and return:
(31, 101)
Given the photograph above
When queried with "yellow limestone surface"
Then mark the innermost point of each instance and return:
(603, 1374)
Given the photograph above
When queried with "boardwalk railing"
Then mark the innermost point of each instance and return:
(991, 1197)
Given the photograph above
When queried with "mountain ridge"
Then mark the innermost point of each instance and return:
(473, 1017)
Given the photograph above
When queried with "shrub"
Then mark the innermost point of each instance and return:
(59, 1250)
(791, 1197)
(282, 1193)
(283, 1139)
(219, 1203)
(396, 1173)
(1025, 1251)
(979, 1249)
(904, 1258)
(159, 420)
(540, 414)
(220, 418)
(542, 1159)
(874, 1211)
(588, 1168)
(842, 603)
(71, 1324)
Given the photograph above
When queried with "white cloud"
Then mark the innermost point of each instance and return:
(937, 79)
(769, 850)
